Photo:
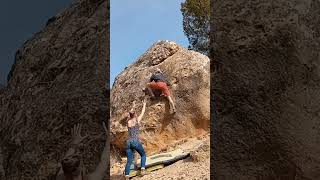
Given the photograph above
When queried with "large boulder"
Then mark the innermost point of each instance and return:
(58, 80)
(188, 72)
(2, 88)
(266, 83)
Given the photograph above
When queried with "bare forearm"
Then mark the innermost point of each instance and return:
(142, 111)
(133, 106)
(70, 151)
(101, 169)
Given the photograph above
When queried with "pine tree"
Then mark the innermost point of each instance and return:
(196, 24)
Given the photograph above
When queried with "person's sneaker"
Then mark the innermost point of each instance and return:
(126, 177)
(144, 172)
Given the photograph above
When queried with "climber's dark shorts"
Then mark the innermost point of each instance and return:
(160, 86)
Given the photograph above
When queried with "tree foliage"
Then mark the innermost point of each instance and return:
(196, 25)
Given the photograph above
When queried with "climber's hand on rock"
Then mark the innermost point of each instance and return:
(144, 101)
(76, 134)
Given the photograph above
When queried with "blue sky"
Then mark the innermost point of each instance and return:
(136, 25)
(19, 20)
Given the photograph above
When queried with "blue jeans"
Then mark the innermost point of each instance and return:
(134, 145)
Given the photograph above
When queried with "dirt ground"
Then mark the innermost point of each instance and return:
(195, 167)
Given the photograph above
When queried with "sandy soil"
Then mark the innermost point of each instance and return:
(184, 169)
(195, 167)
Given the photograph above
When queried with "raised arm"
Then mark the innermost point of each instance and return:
(76, 139)
(143, 110)
(102, 167)
(133, 106)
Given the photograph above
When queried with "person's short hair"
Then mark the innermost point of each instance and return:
(71, 164)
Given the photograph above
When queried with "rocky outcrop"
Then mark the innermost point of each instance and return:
(2, 87)
(188, 73)
(266, 83)
(58, 79)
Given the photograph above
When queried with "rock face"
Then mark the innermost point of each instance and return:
(188, 72)
(2, 87)
(266, 83)
(58, 80)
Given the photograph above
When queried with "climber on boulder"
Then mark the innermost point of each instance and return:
(72, 165)
(159, 82)
(133, 142)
